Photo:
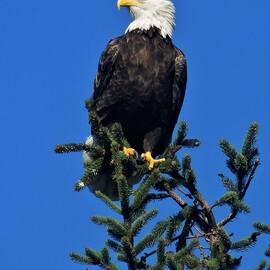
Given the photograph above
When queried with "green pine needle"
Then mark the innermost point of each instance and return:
(186, 164)
(105, 256)
(174, 222)
(80, 259)
(191, 261)
(246, 243)
(172, 265)
(186, 251)
(150, 239)
(228, 183)
(181, 134)
(267, 252)
(114, 246)
(250, 141)
(124, 192)
(212, 264)
(228, 149)
(262, 227)
(261, 266)
(108, 202)
(191, 143)
(144, 188)
(93, 255)
(232, 198)
(114, 225)
(241, 163)
(161, 257)
(142, 221)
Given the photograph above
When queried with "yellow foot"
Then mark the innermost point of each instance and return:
(151, 161)
(129, 151)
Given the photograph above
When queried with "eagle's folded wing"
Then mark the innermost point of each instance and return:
(179, 85)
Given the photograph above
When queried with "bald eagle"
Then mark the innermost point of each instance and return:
(141, 81)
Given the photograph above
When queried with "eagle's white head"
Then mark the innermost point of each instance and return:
(151, 13)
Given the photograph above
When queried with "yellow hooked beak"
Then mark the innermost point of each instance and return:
(126, 3)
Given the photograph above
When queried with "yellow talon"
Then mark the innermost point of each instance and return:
(152, 162)
(129, 151)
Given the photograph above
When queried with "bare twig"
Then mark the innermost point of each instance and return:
(198, 196)
(251, 176)
(175, 197)
(188, 195)
(158, 196)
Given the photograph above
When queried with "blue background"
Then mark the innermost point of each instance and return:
(49, 50)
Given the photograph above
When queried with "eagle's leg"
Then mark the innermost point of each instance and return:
(150, 142)
(151, 161)
(129, 151)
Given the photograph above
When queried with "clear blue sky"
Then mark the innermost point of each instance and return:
(49, 52)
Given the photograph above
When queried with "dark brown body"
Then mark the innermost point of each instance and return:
(141, 84)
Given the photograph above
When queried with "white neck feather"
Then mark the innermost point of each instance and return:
(154, 13)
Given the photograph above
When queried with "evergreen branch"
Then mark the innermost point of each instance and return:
(142, 191)
(172, 264)
(234, 211)
(182, 239)
(186, 165)
(232, 198)
(105, 256)
(114, 246)
(80, 259)
(231, 153)
(71, 147)
(196, 237)
(199, 198)
(109, 202)
(150, 239)
(191, 261)
(161, 258)
(141, 221)
(90, 171)
(228, 183)
(228, 149)
(205, 206)
(241, 165)
(186, 250)
(199, 216)
(267, 252)
(130, 253)
(223, 243)
(181, 134)
(212, 263)
(193, 192)
(114, 225)
(94, 256)
(181, 141)
(261, 266)
(191, 143)
(246, 243)
(262, 227)
(175, 222)
(249, 142)
(251, 177)
(124, 191)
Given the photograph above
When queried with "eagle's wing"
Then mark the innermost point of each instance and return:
(179, 84)
(104, 74)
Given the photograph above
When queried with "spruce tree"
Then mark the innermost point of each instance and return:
(192, 237)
